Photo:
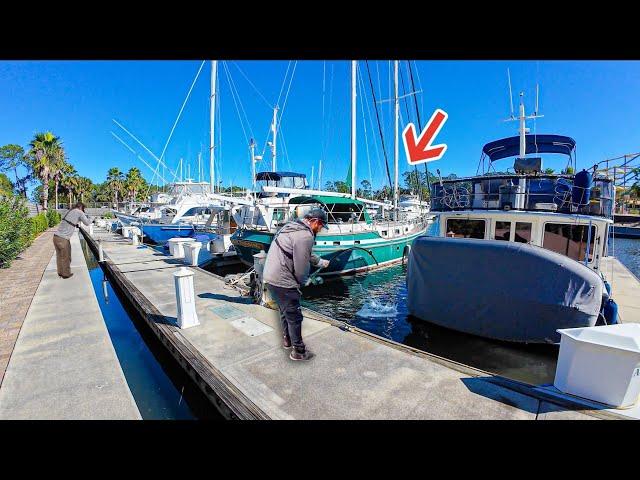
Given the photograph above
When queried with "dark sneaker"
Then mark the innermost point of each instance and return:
(70, 275)
(297, 356)
(286, 342)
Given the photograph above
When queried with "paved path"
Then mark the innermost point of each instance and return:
(18, 285)
(64, 365)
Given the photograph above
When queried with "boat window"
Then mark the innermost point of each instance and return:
(523, 232)
(279, 214)
(503, 231)
(345, 212)
(569, 239)
(463, 228)
(384, 233)
(397, 231)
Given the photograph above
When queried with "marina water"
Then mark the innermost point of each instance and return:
(160, 388)
(377, 302)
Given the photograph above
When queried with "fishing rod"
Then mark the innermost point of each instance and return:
(336, 255)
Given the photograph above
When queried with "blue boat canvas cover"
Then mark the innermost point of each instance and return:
(502, 290)
(510, 146)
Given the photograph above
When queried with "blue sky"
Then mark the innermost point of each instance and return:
(595, 102)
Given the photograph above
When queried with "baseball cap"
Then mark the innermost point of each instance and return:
(320, 214)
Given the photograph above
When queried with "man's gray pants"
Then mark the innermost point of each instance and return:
(288, 300)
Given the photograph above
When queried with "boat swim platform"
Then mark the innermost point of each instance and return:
(236, 357)
(64, 366)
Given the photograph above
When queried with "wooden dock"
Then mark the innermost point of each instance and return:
(235, 356)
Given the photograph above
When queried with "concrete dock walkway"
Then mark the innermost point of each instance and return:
(236, 357)
(64, 365)
(625, 289)
(18, 285)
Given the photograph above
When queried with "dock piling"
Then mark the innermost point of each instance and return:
(100, 251)
(185, 298)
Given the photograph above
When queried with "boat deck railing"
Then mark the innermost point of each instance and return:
(546, 194)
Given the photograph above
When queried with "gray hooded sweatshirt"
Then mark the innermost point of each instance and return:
(290, 269)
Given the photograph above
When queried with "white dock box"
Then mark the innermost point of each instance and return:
(600, 363)
(176, 249)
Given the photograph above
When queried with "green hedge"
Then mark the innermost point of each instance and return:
(17, 230)
(53, 218)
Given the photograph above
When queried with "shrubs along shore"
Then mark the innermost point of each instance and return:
(18, 230)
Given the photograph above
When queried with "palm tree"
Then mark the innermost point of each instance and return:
(115, 180)
(70, 183)
(43, 156)
(83, 186)
(133, 182)
(67, 182)
(60, 169)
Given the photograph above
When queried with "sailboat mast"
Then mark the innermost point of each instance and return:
(354, 64)
(212, 103)
(396, 140)
(523, 128)
(252, 147)
(274, 130)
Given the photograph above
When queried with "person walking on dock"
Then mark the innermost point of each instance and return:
(287, 269)
(61, 239)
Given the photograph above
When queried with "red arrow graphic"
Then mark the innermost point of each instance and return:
(420, 150)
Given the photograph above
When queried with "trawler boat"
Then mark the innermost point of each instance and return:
(517, 256)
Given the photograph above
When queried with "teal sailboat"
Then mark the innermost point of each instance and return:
(354, 240)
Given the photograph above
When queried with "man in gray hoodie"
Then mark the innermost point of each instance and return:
(61, 239)
(287, 269)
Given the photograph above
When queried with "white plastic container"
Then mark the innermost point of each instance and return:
(191, 253)
(600, 363)
(175, 246)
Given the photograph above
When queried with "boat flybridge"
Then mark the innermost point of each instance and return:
(568, 214)
(517, 255)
